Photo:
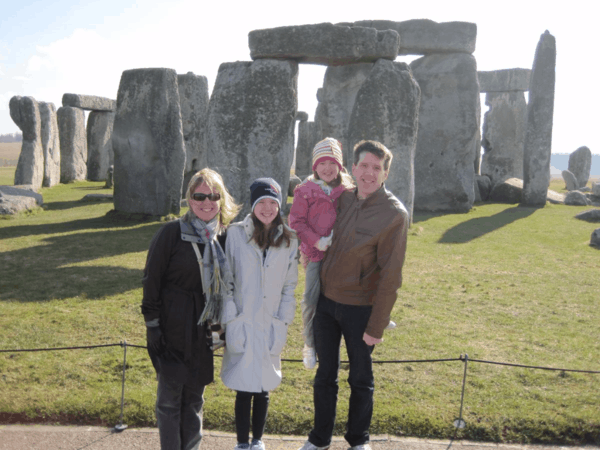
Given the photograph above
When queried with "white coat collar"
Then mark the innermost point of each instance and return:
(249, 227)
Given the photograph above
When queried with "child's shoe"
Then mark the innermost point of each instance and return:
(257, 444)
(391, 325)
(239, 446)
(309, 357)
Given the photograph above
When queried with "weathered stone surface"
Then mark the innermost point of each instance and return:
(483, 187)
(336, 102)
(556, 198)
(73, 144)
(307, 138)
(570, 180)
(148, 143)
(89, 102)
(25, 112)
(294, 181)
(251, 118)
(504, 80)
(97, 198)
(580, 164)
(301, 116)
(591, 215)
(50, 144)
(110, 178)
(576, 198)
(595, 238)
(540, 110)
(448, 143)
(323, 43)
(193, 97)
(99, 140)
(596, 189)
(386, 109)
(14, 199)
(423, 36)
(508, 191)
(504, 129)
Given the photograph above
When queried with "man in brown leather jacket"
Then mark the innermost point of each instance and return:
(360, 274)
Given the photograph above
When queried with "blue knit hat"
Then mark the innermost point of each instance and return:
(264, 188)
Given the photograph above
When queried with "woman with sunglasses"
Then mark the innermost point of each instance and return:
(184, 283)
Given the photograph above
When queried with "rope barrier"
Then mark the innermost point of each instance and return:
(458, 423)
(396, 361)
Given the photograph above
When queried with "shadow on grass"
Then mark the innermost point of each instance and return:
(475, 228)
(58, 267)
(95, 223)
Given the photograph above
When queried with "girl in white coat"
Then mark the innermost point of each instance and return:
(262, 255)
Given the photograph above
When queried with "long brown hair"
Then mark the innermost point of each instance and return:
(265, 237)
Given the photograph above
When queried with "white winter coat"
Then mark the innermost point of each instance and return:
(257, 314)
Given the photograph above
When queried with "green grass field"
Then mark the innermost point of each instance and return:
(501, 283)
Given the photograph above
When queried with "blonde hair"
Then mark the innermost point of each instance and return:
(228, 208)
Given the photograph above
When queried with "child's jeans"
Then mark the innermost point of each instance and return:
(312, 290)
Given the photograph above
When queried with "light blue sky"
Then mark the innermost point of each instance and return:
(48, 48)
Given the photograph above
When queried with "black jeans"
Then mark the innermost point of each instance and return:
(243, 404)
(179, 414)
(332, 321)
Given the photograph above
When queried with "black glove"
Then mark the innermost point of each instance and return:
(155, 340)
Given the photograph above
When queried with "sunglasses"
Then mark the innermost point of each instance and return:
(199, 197)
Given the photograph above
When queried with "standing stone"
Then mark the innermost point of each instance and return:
(109, 178)
(73, 144)
(324, 43)
(89, 102)
(307, 138)
(99, 140)
(570, 180)
(250, 126)
(336, 101)
(50, 144)
(540, 110)
(424, 37)
(448, 140)
(580, 164)
(387, 110)
(193, 98)
(25, 112)
(148, 143)
(504, 129)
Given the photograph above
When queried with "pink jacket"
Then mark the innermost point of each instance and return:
(312, 216)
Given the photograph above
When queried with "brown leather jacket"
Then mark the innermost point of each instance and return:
(363, 266)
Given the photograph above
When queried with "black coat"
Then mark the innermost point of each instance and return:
(173, 294)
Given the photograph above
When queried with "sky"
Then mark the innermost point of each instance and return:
(52, 47)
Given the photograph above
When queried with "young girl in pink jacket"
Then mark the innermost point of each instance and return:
(312, 215)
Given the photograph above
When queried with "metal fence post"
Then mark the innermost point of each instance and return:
(120, 426)
(460, 423)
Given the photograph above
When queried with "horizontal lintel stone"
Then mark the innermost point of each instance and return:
(504, 80)
(324, 44)
(89, 102)
(424, 36)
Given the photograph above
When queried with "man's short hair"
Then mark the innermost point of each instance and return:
(377, 149)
